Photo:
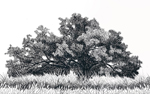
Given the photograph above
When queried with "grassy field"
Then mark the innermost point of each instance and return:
(52, 84)
(76, 91)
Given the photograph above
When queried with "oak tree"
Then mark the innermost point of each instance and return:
(84, 48)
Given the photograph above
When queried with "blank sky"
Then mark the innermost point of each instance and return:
(131, 17)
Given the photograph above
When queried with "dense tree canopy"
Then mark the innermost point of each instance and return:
(84, 47)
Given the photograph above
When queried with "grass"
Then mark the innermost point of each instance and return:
(76, 91)
(52, 84)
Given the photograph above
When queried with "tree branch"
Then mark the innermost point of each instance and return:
(102, 63)
(94, 65)
(46, 55)
(112, 67)
(75, 62)
(51, 60)
(57, 65)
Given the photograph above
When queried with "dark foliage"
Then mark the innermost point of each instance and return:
(84, 48)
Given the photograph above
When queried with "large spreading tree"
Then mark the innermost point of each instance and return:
(84, 48)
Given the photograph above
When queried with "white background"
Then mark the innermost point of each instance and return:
(131, 17)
